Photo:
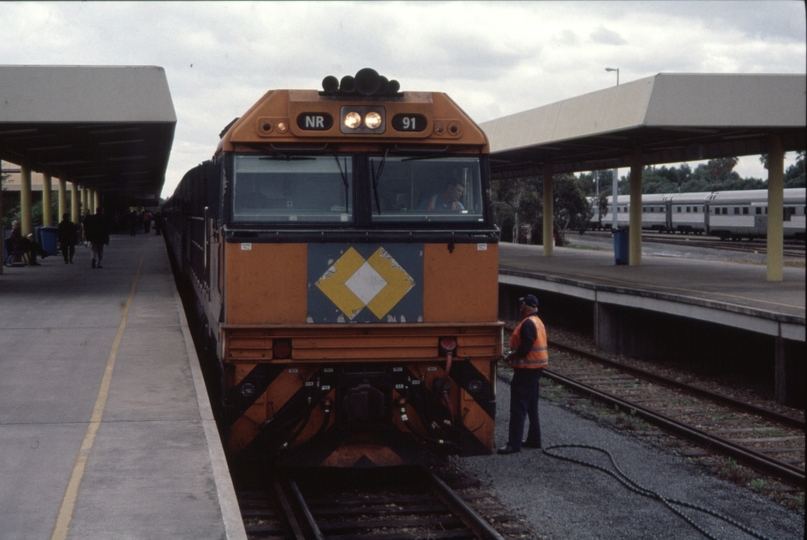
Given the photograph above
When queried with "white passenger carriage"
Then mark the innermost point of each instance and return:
(688, 212)
(726, 214)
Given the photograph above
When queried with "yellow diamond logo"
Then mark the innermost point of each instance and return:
(377, 283)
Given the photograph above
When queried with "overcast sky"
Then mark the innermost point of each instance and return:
(493, 58)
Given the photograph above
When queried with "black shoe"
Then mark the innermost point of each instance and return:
(93, 263)
(531, 445)
(508, 450)
(44, 255)
(34, 263)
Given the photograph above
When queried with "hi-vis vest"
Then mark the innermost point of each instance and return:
(538, 357)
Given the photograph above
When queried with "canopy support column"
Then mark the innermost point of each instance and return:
(776, 195)
(549, 210)
(26, 222)
(75, 211)
(47, 200)
(62, 198)
(636, 166)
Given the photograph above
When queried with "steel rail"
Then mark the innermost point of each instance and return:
(660, 379)
(785, 471)
(309, 517)
(288, 512)
(456, 504)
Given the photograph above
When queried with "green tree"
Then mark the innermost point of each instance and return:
(518, 205)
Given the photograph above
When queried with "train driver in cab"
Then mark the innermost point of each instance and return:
(447, 201)
(249, 196)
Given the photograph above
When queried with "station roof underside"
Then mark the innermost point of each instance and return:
(108, 128)
(669, 118)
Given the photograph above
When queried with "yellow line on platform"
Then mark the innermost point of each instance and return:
(65, 516)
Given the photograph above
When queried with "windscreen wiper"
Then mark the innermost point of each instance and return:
(343, 173)
(376, 177)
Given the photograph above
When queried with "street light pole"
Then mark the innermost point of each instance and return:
(615, 182)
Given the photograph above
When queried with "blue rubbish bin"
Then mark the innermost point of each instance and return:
(48, 239)
(621, 246)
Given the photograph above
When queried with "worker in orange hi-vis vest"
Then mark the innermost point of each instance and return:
(528, 357)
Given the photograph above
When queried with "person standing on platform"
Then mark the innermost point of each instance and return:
(146, 221)
(529, 357)
(134, 222)
(22, 243)
(67, 234)
(97, 231)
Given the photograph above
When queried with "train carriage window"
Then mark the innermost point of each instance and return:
(758, 210)
(426, 189)
(745, 210)
(292, 188)
(736, 210)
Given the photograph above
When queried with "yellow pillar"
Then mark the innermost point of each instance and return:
(75, 211)
(635, 238)
(84, 200)
(549, 210)
(47, 201)
(2, 232)
(776, 182)
(25, 200)
(62, 198)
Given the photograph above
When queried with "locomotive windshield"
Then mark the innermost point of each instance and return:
(389, 189)
(293, 188)
(418, 189)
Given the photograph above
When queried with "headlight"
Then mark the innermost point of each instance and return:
(372, 120)
(363, 119)
(352, 120)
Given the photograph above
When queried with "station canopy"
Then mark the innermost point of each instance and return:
(108, 128)
(669, 118)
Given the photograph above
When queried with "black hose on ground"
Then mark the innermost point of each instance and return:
(632, 485)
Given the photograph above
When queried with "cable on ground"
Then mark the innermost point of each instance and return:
(632, 485)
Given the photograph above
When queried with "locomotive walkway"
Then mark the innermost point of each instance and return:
(105, 426)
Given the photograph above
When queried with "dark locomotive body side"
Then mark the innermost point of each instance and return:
(353, 324)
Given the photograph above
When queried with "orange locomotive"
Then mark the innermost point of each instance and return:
(342, 251)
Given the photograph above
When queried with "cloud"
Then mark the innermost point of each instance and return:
(492, 58)
(607, 37)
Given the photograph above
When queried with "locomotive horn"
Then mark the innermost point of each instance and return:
(368, 82)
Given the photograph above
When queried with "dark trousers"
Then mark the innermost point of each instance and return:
(68, 252)
(524, 391)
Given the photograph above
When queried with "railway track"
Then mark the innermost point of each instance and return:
(791, 248)
(391, 504)
(765, 440)
(759, 247)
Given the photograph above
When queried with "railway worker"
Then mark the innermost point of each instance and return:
(22, 243)
(67, 233)
(448, 200)
(528, 357)
(97, 230)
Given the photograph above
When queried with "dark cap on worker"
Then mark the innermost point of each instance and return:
(530, 300)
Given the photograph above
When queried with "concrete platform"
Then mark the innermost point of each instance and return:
(105, 425)
(733, 294)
